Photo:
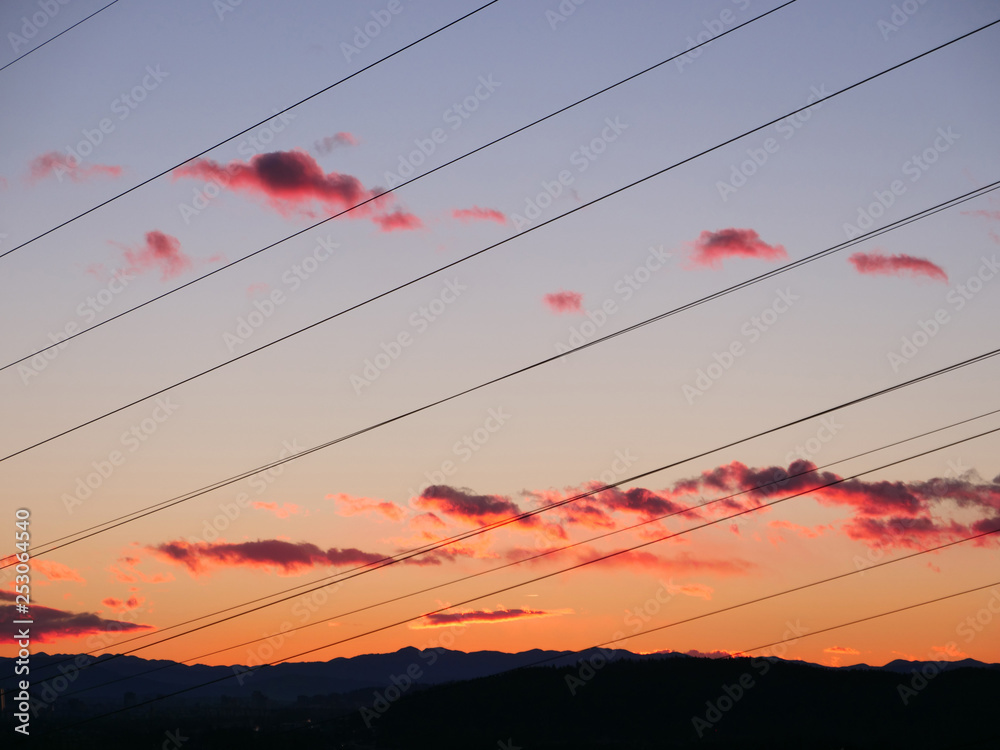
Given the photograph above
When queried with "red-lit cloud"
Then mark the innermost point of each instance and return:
(681, 564)
(450, 619)
(348, 505)
(54, 164)
(292, 183)
(281, 511)
(55, 571)
(479, 214)
(476, 510)
(120, 605)
(330, 142)
(896, 265)
(127, 572)
(397, 220)
(161, 252)
(711, 248)
(53, 624)
(841, 650)
(564, 302)
(288, 558)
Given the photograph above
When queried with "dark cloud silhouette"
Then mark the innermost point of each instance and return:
(52, 624)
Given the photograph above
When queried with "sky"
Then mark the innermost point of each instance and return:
(145, 88)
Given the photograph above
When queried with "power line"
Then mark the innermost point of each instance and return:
(873, 617)
(344, 575)
(392, 189)
(495, 245)
(559, 572)
(35, 49)
(247, 130)
(802, 587)
(155, 508)
(530, 558)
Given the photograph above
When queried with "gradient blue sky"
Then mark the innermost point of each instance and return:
(569, 420)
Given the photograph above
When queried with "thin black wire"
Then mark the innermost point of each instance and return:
(392, 189)
(474, 575)
(495, 245)
(155, 508)
(559, 572)
(35, 49)
(871, 617)
(247, 130)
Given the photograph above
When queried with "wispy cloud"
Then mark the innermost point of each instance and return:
(901, 264)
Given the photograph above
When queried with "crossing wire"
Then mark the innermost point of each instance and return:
(556, 573)
(390, 190)
(495, 245)
(35, 49)
(284, 632)
(247, 130)
(163, 505)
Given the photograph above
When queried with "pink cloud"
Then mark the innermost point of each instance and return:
(479, 214)
(160, 252)
(60, 165)
(292, 183)
(449, 619)
(711, 248)
(281, 511)
(564, 302)
(331, 142)
(56, 571)
(841, 650)
(896, 265)
(397, 220)
(119, 605)
(53, 624)
(348, 505)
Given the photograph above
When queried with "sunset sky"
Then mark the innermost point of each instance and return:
(143, 87)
